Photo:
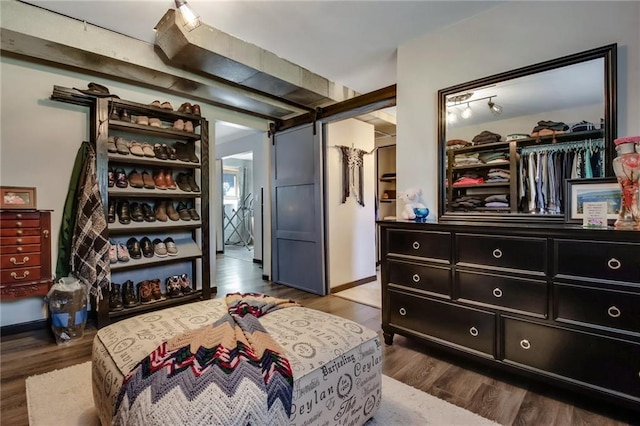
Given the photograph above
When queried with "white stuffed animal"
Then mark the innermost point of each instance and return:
(412, 198)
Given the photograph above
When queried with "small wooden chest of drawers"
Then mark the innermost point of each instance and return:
(25, 253)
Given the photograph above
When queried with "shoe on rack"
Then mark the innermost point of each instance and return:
(147, 150)
(182, 152)
(145, 292)
(114, 114)
(195, 109)
(115, 298)
(155, 103)
(193, 213)
(191, 152)
(185, 284)
(160, 151)
(123, 213)
(129, 297)
(188, 126)
(172, 249)
(155, 122)
(146, 247)
(124, 116)
(192, 183)
(160, 248)
(111, 212)
(135, 179)
(143, 120)
(183, 212)
(161, 211)
(136, 212)
(168, 178)
(122, 252)
(133, 245)
(111, 178)
(166, 105)
(156, 291)
(113, 252)
(171, 211)
(122, 145)
(159, 180)
(171, 152)
(148, 181)
(186, 108)
(173, 286)
(147, 213)
(183, 182)
(121, 178)
(111, 145)
(136, 149)
(178, 125)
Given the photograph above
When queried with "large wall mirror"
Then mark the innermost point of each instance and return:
(508, 142)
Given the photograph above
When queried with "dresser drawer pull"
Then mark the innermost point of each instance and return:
(19, 216)
(497, 253)
(16, 277)
(15, 261)
(416, 278)
(416, 245)
(473, 331)
(46, 233)
(403, 311)
(614, 312)
(19, 232)
(18, 249)
(18, 224)
(524, 344)
(497, 292)
(19, 240)
(614, 263)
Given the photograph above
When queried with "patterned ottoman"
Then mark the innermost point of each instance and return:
(336, 363)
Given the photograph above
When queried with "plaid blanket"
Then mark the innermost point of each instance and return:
(90, 244)
(231, 372)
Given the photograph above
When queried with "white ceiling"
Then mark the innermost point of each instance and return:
(353, 43)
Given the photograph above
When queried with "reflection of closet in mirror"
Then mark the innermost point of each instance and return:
(552, 121)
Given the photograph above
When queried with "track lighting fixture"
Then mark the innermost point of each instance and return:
(190, 18)
(467, 113)
(452, 117)
(494, 108)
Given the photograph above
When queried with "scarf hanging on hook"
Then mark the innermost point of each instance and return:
(352, 173)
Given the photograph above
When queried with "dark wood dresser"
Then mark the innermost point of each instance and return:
(561, 304)
(25, 253)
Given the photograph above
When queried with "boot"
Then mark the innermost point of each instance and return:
(191, 151)
(156, 292)
(144, 290)
(115, 298)
(129, 297)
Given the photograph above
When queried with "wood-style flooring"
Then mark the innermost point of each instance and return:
(494, 395)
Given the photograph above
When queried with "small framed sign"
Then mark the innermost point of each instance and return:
(17, 197)
(595, 190)
(594, 214)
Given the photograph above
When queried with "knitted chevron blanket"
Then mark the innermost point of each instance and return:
(231, 372)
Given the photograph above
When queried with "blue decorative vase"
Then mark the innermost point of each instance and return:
(421, 214)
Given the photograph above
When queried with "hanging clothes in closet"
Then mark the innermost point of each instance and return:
(542, 171)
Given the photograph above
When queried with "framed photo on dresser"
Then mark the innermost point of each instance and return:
(17, 197)
(593, 190)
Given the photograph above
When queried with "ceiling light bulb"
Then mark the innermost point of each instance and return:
(494, 108)
(190, 18)
(451, 117)
(467, 113)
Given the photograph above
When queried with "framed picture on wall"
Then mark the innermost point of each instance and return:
(594, 190)
(17, 197)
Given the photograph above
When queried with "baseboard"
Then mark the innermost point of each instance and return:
(37, 325)
(219, 251)
(265, 277)
(352, 284)
(258, 261)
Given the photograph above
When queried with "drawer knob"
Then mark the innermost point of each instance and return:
(18, 249)
(16, 277)
(473, 331)
(19, 216)
(614, 263)
(15, 261)
(18, 224)
(613, 312)
(403, 311)
(524, 344)
(497, 253)
(497, 292)
(19, 240)
(19, 232)
(416, 245)
(416, 278)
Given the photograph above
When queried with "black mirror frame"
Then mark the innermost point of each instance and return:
(608, 53)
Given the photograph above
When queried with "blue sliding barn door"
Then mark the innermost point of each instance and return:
(297, 215)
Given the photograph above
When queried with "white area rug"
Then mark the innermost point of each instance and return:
(64, 398)
(368, 294)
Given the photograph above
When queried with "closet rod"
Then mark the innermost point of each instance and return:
(587, 143)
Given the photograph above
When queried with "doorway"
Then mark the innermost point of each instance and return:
(238, 218)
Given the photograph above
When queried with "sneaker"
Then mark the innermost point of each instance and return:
(122, 253)
(113, 252)
(172, 249)
(156, 291)
(173, 286)
(160, 248)
(145, 289)
(115, 298)
(185, 284)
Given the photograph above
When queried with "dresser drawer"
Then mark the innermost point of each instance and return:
(22, 223)
(444, 321)
(18, 215)
(19, 232)
(428, 245)
(600, 307)
(19, 275)
(591, 259)
(8, 261)
(588, 358)
(517, 253)
(518, 294)
(21, 249)
(17, 291)
(429, 278)
(19, 240)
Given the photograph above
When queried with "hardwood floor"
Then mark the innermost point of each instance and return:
(492, 394)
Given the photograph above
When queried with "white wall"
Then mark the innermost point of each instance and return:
(351, 244)
(258, 144)
(509, 36)
(39, 139)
